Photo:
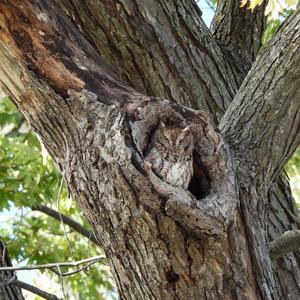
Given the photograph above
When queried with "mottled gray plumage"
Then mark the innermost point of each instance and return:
(170, 154)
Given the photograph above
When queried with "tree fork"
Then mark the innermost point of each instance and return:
(240, 43)
(80, 154)
(88, 121)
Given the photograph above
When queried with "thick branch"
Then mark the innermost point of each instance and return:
(83, 109)
(68, 221)
(262, 123)
(64, 67)
(161, 48)
(34, 290)
(238, 31)
(95, 127)
(288, 242)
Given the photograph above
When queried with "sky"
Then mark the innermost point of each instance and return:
(207, 12)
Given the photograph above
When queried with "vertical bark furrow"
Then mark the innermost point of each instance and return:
(153, 255)
(263, 115)
(266, 106)
(169, 36)
(238, 31)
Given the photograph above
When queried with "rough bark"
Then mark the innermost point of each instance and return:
(263, 138)
(68, 221)
(264, 115)
(97, 129)
(279, 209)
(160, 48)
(7, 291)
(238, 31)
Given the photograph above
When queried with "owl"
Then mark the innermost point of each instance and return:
(171, 154)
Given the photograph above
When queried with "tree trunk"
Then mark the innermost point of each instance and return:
(165, 242)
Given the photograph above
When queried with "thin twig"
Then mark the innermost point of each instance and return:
(17, 231)
(61, 220)
(55, 265)
(83, 268)
(62, 283)
(68, 221)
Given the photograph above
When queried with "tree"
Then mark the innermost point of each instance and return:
(30, 189)
(164, 242)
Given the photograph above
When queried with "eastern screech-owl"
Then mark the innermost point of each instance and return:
(171, 154)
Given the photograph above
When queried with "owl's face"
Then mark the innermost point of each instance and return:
(176, 139)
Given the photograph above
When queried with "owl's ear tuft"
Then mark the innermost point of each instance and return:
(187, 129)
(162, 126)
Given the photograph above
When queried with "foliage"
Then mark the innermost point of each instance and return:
(270, 30)
(276, 10)
(274, 7)
(293, 170)
(274, 23)
(28, 177)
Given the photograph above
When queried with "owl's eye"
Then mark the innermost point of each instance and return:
(164, 140)
(185, 142)
(186, 147)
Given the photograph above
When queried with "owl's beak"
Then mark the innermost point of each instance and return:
(187, 129)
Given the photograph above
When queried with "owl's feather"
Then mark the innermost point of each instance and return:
(171, 156)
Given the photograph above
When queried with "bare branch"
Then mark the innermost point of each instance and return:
(61, 220)
(68, 221)
(94, 259)
(288, 242)
(83, 268)
(34, 290)
(238, 31)
(262, 123)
